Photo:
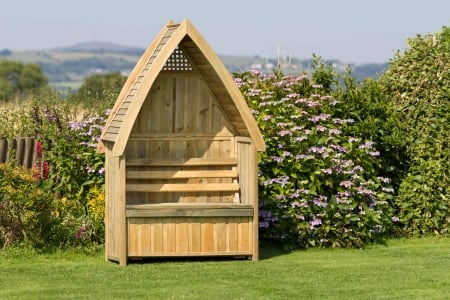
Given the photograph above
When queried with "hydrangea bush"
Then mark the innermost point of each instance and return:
(318, 179)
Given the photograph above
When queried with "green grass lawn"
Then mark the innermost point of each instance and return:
(404, 269)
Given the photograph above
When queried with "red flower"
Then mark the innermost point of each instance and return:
(45, 170)
(39, 149)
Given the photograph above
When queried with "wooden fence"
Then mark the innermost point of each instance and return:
(21, 150)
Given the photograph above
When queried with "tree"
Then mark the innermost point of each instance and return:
(100, 89)
(19, 79)
(5, 52)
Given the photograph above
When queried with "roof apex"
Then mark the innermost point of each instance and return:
(130, 100)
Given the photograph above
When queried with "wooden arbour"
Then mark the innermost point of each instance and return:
(180, 156)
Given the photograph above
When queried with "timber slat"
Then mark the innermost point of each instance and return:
(181, 174)
(181, 163)
(173, 187)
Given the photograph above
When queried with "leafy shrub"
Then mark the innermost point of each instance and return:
(67, 165)
(70, 166)
(375, 119)
(26, 210)
(417, 82)
(99, 91)
(319, 184)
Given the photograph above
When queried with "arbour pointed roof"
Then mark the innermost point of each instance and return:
(178, 47)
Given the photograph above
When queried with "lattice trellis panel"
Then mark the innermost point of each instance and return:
(177, 62)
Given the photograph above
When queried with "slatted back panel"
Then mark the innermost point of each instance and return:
(179, 120)
(179, 149)
(180, 104)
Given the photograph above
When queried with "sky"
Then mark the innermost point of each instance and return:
(351, 31)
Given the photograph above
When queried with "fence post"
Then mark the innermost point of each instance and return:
(28, 158)
(20, 147)
(3, 150)
(11, 148)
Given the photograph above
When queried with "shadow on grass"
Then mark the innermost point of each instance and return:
(271, 248)
(267, 250)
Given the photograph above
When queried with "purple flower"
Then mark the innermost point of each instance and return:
(334, 131)
(317, 149)
(284, 132)
(366, 145)
(327, 171)
(267, 118)
(346, 183)
(384, 179)
(314, 223)
(276, 159)
(286, 154)
(81, 231)
(320, 201)
(321, 117)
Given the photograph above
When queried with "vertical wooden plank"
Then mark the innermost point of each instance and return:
(194, 235)
(28, 155)
(182, 242)
(190, 150)
(232, 232)
(10, 148)
(167, 125)
(133, 229)
(108, 186)
(111, 243)
(163, 149)
(206, 236)
(251, 238)
(220, 240)
(179, 104)
(120, 209)
(20, 150)
(190, 106)
(144, 237)
(176, 152)
(156, 101)
(157, 236)
(253, 195)
(204, 108)
(248, 177)
(243, 234)
(214, 152)
(169, 235)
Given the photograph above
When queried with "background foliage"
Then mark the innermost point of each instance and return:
(18, 79)
(348, 162)
(418, 84)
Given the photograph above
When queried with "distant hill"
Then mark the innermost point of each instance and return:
(67, 67)
(100, 47)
